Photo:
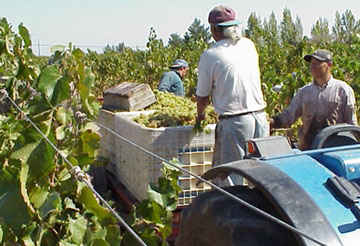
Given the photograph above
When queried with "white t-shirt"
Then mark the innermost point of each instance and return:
(229, 73)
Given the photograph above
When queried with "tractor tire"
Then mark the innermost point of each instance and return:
(217, 220)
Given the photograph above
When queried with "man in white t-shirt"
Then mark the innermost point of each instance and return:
(229, 74)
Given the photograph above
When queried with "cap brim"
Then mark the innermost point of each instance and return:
(229, 23)
(308, 58)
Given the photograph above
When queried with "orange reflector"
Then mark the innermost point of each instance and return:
(251, 147)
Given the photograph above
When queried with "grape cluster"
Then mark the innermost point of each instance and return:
(171, 110)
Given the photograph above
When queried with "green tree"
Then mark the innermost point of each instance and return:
(115, 48)
(254, 29)
(175, 40)
(197, 32)
(345, 27)
(270, 52)
(320, 32)
(271, 30)
(299, 30)
(337, 28)
(290, 32)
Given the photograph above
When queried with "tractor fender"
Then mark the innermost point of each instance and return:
(292, 202)
(328, 137)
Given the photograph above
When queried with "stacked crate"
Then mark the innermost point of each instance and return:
(196, 162)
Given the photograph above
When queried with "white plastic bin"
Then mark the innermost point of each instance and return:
(136, 169)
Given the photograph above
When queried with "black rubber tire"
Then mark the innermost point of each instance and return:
(216, 220)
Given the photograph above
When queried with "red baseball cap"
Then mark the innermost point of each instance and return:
(223, 16)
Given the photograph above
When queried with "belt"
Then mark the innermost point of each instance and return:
(234, 115)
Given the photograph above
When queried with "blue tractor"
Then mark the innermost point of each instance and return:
(300, 197)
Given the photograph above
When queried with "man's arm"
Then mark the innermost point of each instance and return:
(202, 103)
(349, 110)
(289, 115)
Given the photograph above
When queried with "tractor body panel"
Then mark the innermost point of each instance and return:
(312, 175)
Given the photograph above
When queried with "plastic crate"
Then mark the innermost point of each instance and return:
(136, 169)
(106, 118)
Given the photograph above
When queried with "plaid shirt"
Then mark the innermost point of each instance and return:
(318, 108)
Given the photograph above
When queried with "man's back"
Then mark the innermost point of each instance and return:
(171, 82)
(233, 69)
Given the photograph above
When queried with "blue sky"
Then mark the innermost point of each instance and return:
(94, 23)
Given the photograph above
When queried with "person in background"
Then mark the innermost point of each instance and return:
(172, 81)
(229, 74)
(324, 102)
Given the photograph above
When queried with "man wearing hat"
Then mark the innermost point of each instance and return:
(229, 74)
(326, 101)
(172, 81)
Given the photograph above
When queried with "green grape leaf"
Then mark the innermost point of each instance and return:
(28, 231)
(39, 104)
(150, 211)
(55, 87)
(155, 195)
(59, 48)
(61, 91)
(38, 154)
(90, 139)
(164, 194)
(77, 228)
(85, 85)
(60, 132)
(51, 205)
(48, 80)
(23, 31)
(92, 106)
(8, 45)
(69, 204)
(13, 209)
(23, 179)
(112, 234)
(87, 198)
(99, 242)
(78, 53)
(38, 196)
(28, 241)
(63, 115)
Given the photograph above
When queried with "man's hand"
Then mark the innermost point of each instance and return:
(200, 127)
(271, 123)
(202, 103)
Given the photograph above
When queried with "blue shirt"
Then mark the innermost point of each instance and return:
(171, 82)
